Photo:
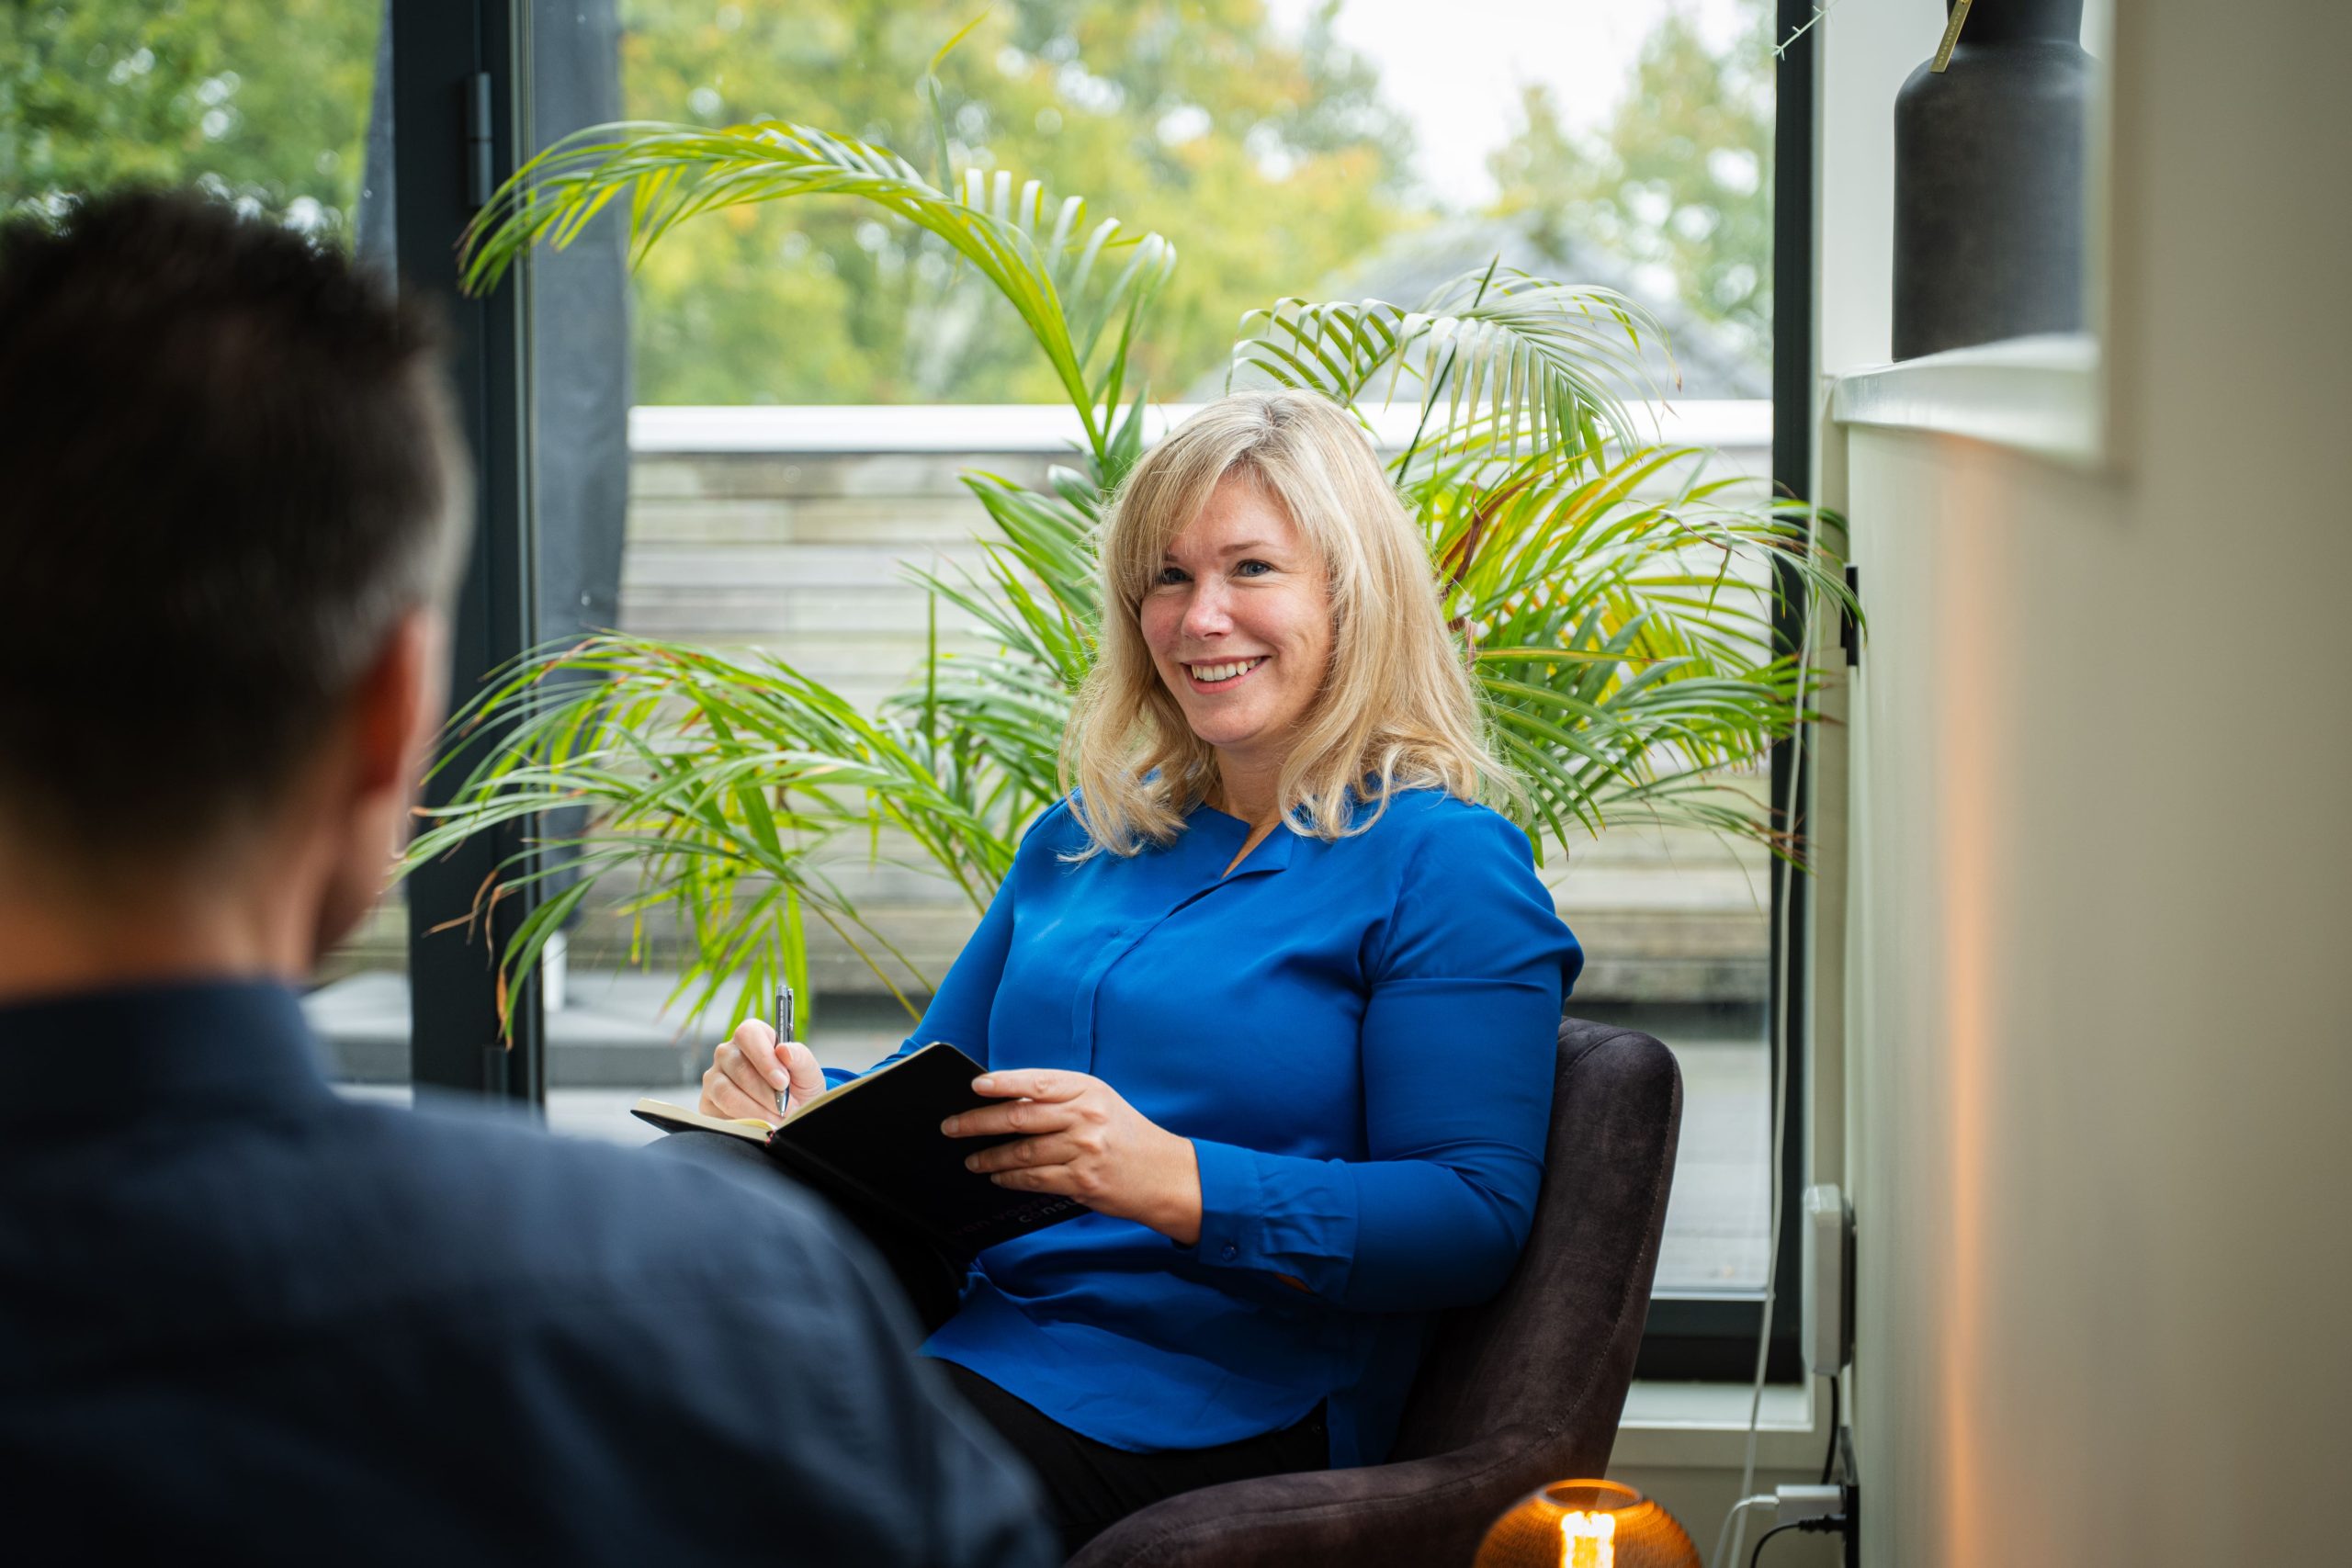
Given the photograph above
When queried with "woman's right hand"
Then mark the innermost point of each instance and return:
(749, 1069)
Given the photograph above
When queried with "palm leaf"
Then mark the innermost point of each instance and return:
(725, 781)
(1081, 285)
(1510, 361)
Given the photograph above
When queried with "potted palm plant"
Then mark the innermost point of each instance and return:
(1615, 603)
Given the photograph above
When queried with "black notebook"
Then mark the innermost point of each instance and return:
(874, 1143)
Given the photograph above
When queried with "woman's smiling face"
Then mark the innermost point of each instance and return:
(1238, 621)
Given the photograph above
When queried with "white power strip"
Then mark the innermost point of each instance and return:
(1826, 1312)
(1797, 1504)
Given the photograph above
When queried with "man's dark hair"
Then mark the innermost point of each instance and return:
(227, 467)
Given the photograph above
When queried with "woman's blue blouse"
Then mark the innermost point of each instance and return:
(1358, 1036)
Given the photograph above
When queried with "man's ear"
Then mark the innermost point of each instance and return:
(394, 710)
(397, 705)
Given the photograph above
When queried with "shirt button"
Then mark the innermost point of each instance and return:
(1228, 1252)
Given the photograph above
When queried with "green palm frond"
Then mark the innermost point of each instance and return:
(1049, 541)
(1498, 361)
(723, 780)
(1647, 534)
(1035, 598)
(1621, 625)
(1081, 285)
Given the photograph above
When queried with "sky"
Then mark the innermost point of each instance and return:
(1459, 82)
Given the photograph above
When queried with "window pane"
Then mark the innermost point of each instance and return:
(791, 460)
(264, 103)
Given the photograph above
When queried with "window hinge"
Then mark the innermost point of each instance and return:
(1850, 631)
(477, 141)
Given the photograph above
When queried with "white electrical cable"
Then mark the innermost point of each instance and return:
(1736, 1523)
(1761, 1500)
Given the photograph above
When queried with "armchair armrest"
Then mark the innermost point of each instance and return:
(1418, 1512)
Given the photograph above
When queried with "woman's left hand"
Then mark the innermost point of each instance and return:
(1081, 1139)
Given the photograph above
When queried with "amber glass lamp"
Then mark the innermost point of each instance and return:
(1587, 1524)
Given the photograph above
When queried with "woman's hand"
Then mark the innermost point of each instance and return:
(1084, 1141)
(747, 1070)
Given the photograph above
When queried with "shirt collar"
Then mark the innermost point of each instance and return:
(166, 1045)
(1222, 836)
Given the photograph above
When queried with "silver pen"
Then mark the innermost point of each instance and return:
(783, 1033)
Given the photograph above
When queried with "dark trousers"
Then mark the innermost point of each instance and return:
(1089, 1485)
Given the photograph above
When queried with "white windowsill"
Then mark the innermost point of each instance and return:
(1704, 1426)
(657, 430)
(2037, 394)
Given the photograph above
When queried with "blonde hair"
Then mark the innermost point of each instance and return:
(1396, 704)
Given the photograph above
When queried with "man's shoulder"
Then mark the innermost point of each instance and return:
(506, 1203)
(397, 1298)
(419, 1244)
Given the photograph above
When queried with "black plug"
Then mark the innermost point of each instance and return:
(1847, 1522)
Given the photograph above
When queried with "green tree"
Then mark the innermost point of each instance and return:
(1680, 177)
(1194, 117)
(265, 103)
(1275, 157)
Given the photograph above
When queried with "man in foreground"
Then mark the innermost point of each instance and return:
(238, 1317)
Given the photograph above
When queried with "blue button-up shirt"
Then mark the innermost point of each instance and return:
(1358, 1036)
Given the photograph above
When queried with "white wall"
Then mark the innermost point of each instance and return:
(1866, 49)
(2097, 1065)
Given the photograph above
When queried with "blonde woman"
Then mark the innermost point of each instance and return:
(1268, 990)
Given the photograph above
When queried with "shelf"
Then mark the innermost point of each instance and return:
(2036, 394)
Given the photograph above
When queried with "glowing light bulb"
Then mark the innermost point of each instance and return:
(1588, 1540)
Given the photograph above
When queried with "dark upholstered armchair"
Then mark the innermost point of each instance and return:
(1523, 1390)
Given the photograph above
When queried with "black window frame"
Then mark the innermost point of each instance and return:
(456, 68)
(1712, 1337)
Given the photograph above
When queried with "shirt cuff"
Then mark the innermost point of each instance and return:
(1231, 1200)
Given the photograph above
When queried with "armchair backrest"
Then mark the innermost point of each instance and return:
(1554, 1352)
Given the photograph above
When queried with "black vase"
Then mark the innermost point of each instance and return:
(1989, 180)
